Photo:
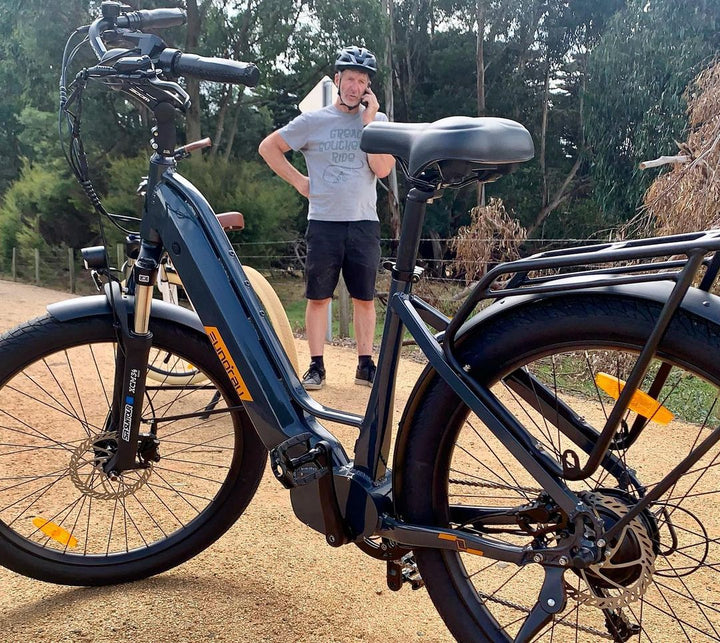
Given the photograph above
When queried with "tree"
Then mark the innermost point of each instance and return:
(638, 73)
(687, 198)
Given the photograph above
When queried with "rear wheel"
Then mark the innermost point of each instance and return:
(660, 580)
(62, 519)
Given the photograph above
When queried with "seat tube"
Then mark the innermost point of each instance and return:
(372, 447)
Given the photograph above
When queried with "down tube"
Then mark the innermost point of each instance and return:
(230, 312)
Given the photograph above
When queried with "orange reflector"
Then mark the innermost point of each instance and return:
(56, 532)
(641, 403)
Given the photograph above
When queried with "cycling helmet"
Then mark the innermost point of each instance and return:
(357, 58)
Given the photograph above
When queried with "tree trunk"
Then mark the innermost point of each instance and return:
(220, 127)
(480, 56)
(561, 194)
(543, 136)
(233, 128)
(558, 199)
(393, 197)
(438, 254)
(480, 74)
(192, 118)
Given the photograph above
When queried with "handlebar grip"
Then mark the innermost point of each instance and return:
(215, 69)
(152, 19)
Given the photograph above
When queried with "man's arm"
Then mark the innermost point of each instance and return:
(380, 164)
(273, 149)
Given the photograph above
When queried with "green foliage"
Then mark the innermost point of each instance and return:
(640, 62)
(638, 73)
(45, 206)
(268, 204)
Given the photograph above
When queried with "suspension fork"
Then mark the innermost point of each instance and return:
(131, 362)
(134, 344)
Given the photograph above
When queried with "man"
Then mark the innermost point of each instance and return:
(343, 229)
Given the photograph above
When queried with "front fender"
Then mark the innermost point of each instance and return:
(697, 302)
(98, 306)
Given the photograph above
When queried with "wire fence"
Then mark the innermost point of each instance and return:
(61, 268)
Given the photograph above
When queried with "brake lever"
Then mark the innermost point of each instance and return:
(186, 150)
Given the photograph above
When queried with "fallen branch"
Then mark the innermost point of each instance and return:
(664, 160)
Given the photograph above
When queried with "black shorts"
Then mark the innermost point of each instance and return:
(350, 246)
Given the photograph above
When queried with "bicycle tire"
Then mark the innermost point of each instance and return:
(671, 552)
(276, 313)
(61, 519)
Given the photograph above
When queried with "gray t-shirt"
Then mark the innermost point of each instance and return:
(342, 185)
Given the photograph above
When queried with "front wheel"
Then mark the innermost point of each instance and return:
(62, 519)
(660, 579)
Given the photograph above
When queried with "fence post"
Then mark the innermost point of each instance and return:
(14, 264)
(344, 309)
(120, 252)
(37, 266)
(71, 269)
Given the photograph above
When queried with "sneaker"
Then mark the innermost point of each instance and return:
(314, 378)
(365, 375)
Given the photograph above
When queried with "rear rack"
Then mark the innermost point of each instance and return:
(575, 262)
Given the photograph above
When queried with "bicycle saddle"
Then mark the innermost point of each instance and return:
(460, 144)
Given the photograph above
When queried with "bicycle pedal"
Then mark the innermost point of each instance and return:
(404, 571)
(295, 462)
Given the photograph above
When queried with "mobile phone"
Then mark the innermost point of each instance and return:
(364, 103)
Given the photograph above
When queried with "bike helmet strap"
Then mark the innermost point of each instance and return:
(357, 58)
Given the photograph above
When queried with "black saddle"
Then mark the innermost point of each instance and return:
(459, 147)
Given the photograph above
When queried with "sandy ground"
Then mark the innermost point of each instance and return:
(269, 578)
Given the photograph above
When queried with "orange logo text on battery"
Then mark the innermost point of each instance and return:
(228, 364)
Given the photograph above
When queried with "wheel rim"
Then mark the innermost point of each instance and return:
(673, 589)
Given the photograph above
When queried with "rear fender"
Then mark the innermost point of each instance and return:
(700, 303)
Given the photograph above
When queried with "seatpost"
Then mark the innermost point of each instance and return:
(412, 223)
(373, 444)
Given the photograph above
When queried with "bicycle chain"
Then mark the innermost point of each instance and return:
(494, 485)
(526, 610)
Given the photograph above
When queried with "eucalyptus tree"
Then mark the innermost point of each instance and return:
(638, 73)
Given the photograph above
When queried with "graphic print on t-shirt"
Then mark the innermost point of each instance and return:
(345, 159)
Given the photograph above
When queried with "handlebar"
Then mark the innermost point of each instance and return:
(217, 70)
(170, 61)
(152, 19)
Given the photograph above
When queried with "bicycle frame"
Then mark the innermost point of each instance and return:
(178, 219)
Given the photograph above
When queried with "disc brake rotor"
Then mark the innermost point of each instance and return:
(87, 474)
(623, 577)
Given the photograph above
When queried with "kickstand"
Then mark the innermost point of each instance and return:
(211, 406)
(551, 601)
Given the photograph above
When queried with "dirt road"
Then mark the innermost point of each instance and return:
(268, 579)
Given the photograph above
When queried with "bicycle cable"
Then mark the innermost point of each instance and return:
(75, 154)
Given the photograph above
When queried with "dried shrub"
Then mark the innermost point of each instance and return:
(688, 197)
(492, 236)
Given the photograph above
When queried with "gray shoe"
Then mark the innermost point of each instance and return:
(314, 378)
(365, 375)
